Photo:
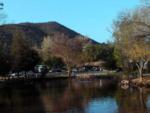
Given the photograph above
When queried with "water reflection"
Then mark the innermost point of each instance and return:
(132, 100)
(104, 105)
(74, 97)
(19, 99)
(63, 96)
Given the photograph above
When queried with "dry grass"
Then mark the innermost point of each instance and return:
(145, 81)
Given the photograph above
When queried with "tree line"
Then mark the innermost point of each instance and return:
(57, 51)
(126, 52)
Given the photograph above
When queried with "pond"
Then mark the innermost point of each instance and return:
(75, 96)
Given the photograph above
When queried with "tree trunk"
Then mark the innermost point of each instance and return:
(140, 69)
(140, 74)
(69, 71)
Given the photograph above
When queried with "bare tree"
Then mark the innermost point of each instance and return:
(69, 49)
(2, 14)
(45, 50)
(145, 2)
(132, 37)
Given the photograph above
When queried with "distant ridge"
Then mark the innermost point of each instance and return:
(35, 32)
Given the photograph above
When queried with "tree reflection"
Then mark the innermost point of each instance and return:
(132, 100)
(53, 96)
(74, 96)
(18, 98)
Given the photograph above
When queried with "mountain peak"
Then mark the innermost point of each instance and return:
(35, 32)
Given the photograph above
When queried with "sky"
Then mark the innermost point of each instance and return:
(92, 18)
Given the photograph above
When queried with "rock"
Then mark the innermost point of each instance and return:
(124, 82)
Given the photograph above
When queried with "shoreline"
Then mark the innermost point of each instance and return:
(145, 82)
(51, 78)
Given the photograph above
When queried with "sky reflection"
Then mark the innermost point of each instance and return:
(103, 105)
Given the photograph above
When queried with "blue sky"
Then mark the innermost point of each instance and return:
(92, 18)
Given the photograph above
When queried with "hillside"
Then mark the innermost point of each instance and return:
(35, 32)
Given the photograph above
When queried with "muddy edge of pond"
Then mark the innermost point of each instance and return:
(145, 82)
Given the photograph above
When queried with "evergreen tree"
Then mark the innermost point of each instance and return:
(23, 56)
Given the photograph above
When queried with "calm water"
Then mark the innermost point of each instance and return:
(62, 96)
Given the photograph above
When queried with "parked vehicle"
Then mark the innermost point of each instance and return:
(97, 68)
(13, 75)
(74, 70)
(89, 68)
(41, 69)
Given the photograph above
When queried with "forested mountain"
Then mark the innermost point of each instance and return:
(35, 32)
